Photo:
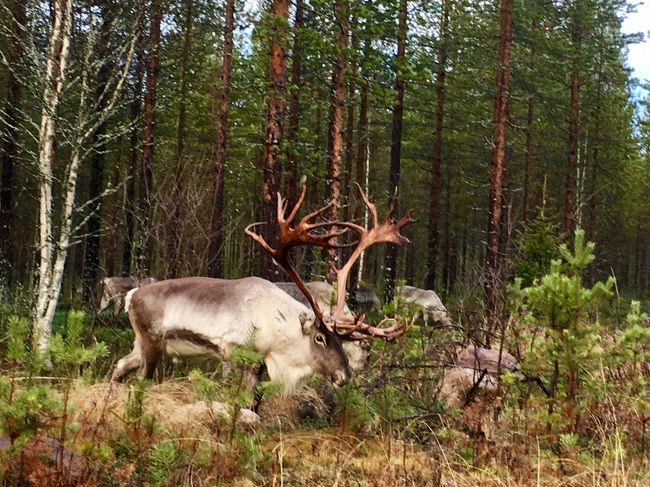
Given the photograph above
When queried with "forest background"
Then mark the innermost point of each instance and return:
(346, 94)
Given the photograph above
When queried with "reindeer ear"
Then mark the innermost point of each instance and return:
(307, 321)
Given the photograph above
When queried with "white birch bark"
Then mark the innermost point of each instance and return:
(55, 70)
(54, 252)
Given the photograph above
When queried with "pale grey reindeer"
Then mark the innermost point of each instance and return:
(114, 291)
(426, 304)
(197, 316)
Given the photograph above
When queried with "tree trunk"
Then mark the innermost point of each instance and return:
(147, 161)
(112, 218)
(335, 139)
(396, 143)
(349, 134)
(573, 126)
(447, 272)
(215, 250)
(530, 119)
(362, 152)
(17, 8)
(130, 206)
(274, 128)
(499, 121)
(437, 148)
(572, 149)
(93, 227)
(529, 157)
(175, 225)
(590, 230)
(55, 70)
(310, 252)
(291, 167)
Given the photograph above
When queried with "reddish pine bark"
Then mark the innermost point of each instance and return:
(291, 167)
(499, 121)
(215, 250)
(396, 143)
(437, 148)
(10, 146)
(148, 134)
(335, 140)
(274, 127)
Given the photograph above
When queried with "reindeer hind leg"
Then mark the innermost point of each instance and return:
(151, 357)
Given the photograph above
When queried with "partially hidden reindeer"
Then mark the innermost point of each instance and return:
(197, 316)
(114, 291)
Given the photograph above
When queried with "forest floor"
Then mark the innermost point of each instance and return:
(283, 450)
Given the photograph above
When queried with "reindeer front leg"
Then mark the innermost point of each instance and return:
(128, 363)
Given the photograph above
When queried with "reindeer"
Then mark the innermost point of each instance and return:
(198, 316)
(114, 290)
(426, 304)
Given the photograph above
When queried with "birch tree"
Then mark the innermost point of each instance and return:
(92, 112)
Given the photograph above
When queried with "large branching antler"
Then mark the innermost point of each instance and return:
(301, 234)
(386, 232)
(306, 233)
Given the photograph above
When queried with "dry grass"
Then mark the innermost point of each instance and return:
(171, 404)
(339, 459)
(315, 457)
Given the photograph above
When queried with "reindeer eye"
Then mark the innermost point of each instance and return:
(320, 339)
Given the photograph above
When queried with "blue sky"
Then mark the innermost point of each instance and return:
(639, 54)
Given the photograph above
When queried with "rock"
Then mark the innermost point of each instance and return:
(459, 380)
(202, 411)
(248, 417)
